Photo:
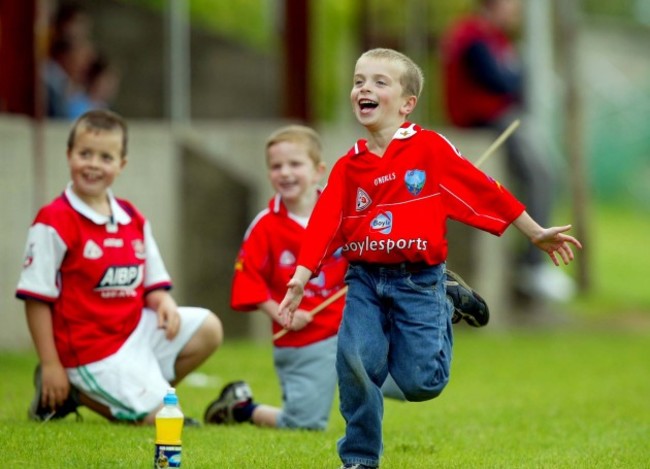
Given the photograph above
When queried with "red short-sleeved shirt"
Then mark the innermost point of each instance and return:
(267, 261)
(93, 271)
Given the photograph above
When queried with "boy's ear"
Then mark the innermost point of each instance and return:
(321, 169)
(124, 161)
(409, 105)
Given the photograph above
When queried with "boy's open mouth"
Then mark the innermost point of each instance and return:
(367, 104)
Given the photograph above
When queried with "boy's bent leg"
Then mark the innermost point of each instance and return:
(207, 338)
(308, 379)
(132, 382)
(362, 368)
(421, 338)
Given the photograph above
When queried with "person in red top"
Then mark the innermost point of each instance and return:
(107, 332)
(304, 358)
(385, 206)
(484, 87)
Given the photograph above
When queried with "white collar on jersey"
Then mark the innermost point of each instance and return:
(119, 215)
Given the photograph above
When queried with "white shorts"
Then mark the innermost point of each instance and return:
(133, 381)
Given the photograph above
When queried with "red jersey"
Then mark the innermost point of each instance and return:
(94, 271)
(394, 209)
(267, 261)
(467, 101)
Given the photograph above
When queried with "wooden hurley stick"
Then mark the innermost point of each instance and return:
(491, 149)
(326, 302)
(497, 143)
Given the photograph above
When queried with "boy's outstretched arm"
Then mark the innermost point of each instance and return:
(295, 291)
(551, 240)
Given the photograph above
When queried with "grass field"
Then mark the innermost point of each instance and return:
(570, 397)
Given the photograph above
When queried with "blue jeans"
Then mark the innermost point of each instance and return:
(394, 321)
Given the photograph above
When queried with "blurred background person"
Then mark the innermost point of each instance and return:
(483, 88)
(100, 88)
(71, 53)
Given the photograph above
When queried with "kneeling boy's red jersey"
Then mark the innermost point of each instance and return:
(267, 261)
(92, 272)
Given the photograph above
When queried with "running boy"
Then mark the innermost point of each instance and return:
(304, 358)
(385, 205)
(107, 332)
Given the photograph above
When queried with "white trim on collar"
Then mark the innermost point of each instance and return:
(404, 133)
(119, 215)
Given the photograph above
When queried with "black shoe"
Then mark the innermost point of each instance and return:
(356, 466)
(41, 413)
(220, 411)
(468, 304)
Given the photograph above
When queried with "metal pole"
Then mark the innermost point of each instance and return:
(569, 27)
(538, 55)
(179, 91)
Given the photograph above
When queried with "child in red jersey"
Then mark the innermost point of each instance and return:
(385, 206)
(305, 357)
(107, 332)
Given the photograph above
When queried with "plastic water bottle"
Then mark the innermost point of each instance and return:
(169, 426)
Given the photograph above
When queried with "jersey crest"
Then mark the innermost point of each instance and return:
(287, 258)
(363, 200)
(92, 250)
(414, 180)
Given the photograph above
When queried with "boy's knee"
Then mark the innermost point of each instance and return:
(424, 391)
(211, 331)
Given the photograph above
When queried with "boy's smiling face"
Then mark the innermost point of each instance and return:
(293, 174)
(95, 160)
(377, 96)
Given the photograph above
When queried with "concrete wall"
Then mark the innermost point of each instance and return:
(200, 187)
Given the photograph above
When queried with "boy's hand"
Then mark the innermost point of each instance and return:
(553, 241)
(169, 319)
(291, 301)
(167, 310)
(300, 319)
(55, 385)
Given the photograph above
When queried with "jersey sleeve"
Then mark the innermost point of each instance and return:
(322, 237)
(472, 197)
(156, 275)
(44, 253)
(249, 287)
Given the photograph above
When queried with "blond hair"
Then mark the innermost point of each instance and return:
(99, 119)
(299, 134)
(412, 80)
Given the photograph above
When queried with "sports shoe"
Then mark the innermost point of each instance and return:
(42, 413)
(220, 411)
(356, 466)
(468, 304)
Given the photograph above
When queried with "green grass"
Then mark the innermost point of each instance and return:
(574, 399)
(620, 262)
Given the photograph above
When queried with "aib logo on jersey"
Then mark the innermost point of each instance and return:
(414, 180)
(363, 200)
(121, 277)
(382, 223)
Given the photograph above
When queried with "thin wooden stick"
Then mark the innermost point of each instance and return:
(496, 144)
(326, 302)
